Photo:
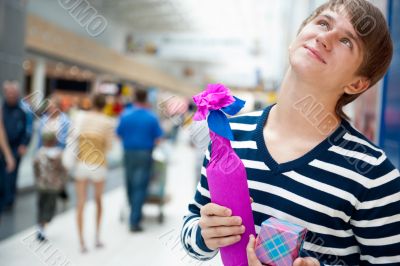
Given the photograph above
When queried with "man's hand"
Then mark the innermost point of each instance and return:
(10, 163)
(252, 259)
(307, 261)
(218, 227)
(22, 150)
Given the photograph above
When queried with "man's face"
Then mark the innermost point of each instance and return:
(11, 93)
(327, 52)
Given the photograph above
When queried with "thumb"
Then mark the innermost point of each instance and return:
(308, 261)
(299, 262)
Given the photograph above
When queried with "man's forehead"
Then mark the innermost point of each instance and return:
(11, 87)
(339, 16)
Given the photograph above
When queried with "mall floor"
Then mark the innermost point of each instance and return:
(158, 244)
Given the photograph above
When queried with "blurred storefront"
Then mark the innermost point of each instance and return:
(161, 47)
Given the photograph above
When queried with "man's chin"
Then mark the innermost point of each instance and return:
(307, 68)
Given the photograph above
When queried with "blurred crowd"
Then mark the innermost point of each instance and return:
(72, 145)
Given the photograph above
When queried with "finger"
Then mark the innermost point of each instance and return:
(222, 241)
(215, 209)
(251, 254)
(251, 200)
(211, 221)
(309, 261)
(222, 231)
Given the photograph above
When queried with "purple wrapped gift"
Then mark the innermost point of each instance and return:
(279, 242)
(226, 174)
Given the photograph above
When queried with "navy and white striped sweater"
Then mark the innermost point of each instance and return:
(344, 191)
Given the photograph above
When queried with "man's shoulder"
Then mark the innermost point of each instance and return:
(352, 137)
(138, 113)
(246, 117)
(127, 113)
(244, 125)
(354, 151)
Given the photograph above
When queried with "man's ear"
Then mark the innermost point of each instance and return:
(358, 86)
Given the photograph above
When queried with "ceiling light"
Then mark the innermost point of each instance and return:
(74, 70)
(27, 65)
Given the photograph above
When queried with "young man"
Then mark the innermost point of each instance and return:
(305, 163)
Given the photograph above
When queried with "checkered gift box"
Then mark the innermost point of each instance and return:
(279, 242)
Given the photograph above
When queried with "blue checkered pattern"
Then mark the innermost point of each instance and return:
(279, 242)
(276, 247)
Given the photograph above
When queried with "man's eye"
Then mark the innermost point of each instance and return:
(324, 24)
(347, 42)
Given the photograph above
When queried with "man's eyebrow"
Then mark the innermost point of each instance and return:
(351, 36)
(328, 17)
(347, 32)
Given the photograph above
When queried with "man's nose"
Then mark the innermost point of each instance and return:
(325, 40)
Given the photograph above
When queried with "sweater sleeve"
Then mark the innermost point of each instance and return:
(119, 130)
(376, 219)
(63, 131)
(28, 127)
(191, 237)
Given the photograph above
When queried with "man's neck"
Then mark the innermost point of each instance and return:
(11, 105)
(303, 110)
(141, 105)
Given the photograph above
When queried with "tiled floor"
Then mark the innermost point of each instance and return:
(157, 245)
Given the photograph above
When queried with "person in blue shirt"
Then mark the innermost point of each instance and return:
(139, 130)
(18, 129)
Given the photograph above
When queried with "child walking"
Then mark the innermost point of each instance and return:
(51, 177)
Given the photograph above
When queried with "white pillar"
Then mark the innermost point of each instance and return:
(38, 81)
(96, 83)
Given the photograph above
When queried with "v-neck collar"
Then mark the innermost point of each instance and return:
(276, 167)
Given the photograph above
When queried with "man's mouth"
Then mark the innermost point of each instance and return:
(315, 53)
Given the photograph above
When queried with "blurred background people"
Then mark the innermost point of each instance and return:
(139, 130)
(18, 132)
(54, 121)
(50, 176)
(7, 162)
(95, 132)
